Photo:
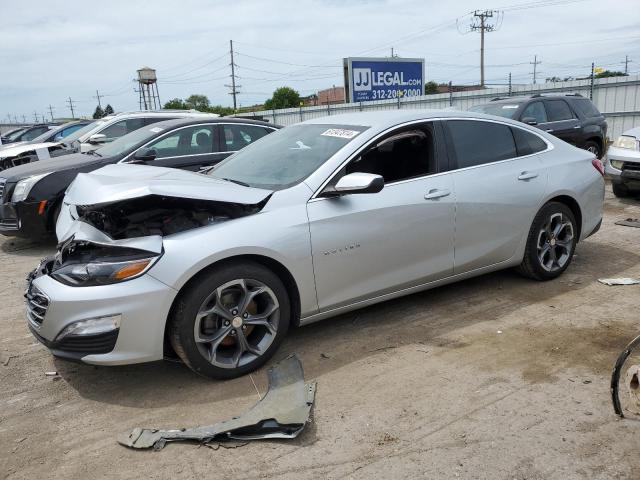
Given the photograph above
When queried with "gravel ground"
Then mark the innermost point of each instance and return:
(495, 377)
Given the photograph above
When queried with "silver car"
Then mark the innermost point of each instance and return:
(314, 220)
(622, 164)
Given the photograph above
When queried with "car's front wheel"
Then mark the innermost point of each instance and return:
(551, 242)
(231, 320)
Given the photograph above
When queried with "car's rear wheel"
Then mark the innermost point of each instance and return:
(551, 242)
(231, 320)
(593, 147)
(620, 190)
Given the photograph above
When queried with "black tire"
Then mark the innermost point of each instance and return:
(531, 265)
(188, 306)
(593, 147)
(620, 191)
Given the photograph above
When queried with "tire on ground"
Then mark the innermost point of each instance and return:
(182, 319)
(531, 266)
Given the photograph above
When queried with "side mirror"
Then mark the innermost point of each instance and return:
(97, 138)
(145, 155)
(529, 121)
(359, 183)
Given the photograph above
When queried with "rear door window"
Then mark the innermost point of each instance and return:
(536, 111)
(236, 136)
(586, 107)
(195, 140)
(558, 110)
(478, 142)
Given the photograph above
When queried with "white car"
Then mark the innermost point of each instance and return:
(623, 164)
(115, 126)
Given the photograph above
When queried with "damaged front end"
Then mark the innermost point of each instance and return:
(159, 215)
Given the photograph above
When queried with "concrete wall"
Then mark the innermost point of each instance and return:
(617, 98)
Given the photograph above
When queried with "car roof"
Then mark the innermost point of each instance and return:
(383, 119)
(180, 122)
(537, 96)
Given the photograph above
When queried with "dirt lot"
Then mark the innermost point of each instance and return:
(496, 377)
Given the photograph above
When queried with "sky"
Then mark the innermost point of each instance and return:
(53, 50)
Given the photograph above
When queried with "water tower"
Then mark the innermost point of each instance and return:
(148, 89)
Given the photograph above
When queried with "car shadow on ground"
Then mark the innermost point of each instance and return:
(29, 247)
(421, 318)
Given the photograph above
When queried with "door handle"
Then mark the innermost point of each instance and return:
(549, 130)
(435, 193)
(577, 127)
(527, 175)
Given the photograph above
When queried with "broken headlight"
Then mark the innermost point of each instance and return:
(96, 273)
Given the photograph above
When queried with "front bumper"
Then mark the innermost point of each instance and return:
(629, 174)
(23, 220)
(143, 304)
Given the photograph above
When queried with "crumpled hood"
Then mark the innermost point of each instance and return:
(114, 183)
(11, 150)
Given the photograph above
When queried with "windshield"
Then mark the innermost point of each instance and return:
(129, 142)
(69, 139)
(500, 109)
(286, 157)
(51, 134)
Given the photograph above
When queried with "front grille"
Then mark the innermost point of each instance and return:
(37, 305)
(89, 344)
(635, 167)
(9, 223)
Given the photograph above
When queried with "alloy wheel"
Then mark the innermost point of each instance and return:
(555, 242)
(236, 323)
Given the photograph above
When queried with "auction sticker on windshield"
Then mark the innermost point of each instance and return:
(340, 133)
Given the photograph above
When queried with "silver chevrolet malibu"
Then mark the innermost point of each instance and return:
(317, 219)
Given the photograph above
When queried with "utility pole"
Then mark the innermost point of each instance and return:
(510, 87)
(51, 112)
(535, 63)
(98, 97)
(481, 22)
(626, 64)
(70, 102)
(233, 85)
(35, 116)
(593, 68)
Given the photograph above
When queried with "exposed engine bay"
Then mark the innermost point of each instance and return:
(159, 215)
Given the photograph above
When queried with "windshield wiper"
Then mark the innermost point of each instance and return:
(93, 152)
(238, 182)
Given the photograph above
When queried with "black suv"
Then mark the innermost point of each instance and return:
(572, 117)
(31, 194)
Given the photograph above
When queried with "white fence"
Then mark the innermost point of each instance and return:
(617, 98)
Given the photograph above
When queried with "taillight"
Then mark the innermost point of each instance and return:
(598, 165)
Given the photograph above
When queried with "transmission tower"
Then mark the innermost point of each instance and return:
(70, 102)
(484, 21)
(535, 63)
(234, 86)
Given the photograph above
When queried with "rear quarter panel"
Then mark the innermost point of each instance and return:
(571, 173)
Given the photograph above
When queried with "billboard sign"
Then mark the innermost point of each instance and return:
(368, 79)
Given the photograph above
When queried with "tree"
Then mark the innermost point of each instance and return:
(283, 97)
(99, 113)
(108, 110)
(175, 104)
(198, 102)
(609, 73)
(430, 88)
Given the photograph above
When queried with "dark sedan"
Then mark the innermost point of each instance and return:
(31, 194)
